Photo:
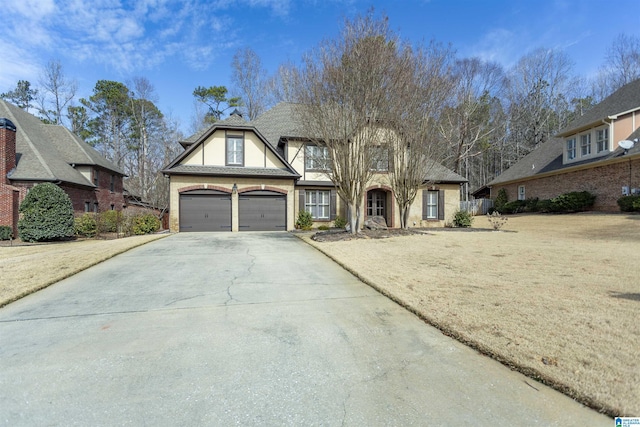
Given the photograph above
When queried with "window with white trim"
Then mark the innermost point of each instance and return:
(317, 203)
(316, 158)
(602, 140)
(571, 149)
(432, 204)
(235, 150)
(585, 144)
(521, 193)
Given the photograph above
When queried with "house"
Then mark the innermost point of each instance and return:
(257, 176)
(32, 152)
(585, 156)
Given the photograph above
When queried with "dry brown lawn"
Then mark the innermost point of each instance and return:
(25, 269)
(554, 296)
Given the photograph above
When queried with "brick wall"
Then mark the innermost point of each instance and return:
(105, 196)
(605, 182)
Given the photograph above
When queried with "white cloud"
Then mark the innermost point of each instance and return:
(498, 45)
(122, 36)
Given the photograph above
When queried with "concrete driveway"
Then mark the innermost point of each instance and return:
(246, 329)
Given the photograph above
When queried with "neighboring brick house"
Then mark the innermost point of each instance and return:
(32, 152)
(250, 176)
(585, 156)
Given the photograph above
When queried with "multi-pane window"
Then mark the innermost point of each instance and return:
(317, 202)
(585, 144)
(95, 207)
(112, 184)
(521, 193)
(316, 158)
(235, 150)
(602, 139)
(87, 206)
(571, 149)
(432, 205)
(380, 159)
(95, 177)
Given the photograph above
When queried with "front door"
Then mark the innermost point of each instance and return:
(377, 203)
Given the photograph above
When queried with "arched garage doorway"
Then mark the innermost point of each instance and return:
(262, 210)
(205, 210)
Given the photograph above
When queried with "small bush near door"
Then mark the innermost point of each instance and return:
(339, 222)
(304, 221)
(462, 219)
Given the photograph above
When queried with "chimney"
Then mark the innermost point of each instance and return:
(7, 149)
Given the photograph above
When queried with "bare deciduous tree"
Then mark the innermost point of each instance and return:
(468, 121)
(250, 81)
(343, 91)
(536, 91)
(415, 148)
(369, 98)
(622, 65)
(56, 92)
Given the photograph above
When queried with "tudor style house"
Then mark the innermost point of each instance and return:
(257, 176)
(32, 152)
(585, 156)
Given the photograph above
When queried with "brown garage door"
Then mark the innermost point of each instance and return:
(205, 211)
(262, 211)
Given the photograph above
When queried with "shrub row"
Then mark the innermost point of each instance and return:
(575, 201)
(91, 224)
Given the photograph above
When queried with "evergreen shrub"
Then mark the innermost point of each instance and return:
(47, 214)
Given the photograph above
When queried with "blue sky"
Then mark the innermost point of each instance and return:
(179, 45)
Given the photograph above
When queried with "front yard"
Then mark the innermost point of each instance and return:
(558, 297)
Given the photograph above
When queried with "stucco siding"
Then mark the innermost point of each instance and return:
(623, 127)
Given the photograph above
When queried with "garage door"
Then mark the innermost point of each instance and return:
(205, 211)
(262, 211)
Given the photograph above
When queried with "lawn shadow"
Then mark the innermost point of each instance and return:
(625, 295)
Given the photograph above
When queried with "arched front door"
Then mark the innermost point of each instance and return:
(377, 204)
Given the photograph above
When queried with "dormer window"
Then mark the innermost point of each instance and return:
(235, 150)
(585, 145)
(571, 149)
(602, 140)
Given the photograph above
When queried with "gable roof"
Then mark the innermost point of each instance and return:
(440, 174)
(625, 99)
(234, 119)
(176, 168)
(46, 152)
(547, 157)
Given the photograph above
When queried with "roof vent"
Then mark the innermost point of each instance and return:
(7, 124)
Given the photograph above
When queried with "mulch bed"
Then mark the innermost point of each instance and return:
(337, 235)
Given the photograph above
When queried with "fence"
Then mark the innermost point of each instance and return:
(477, 206)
